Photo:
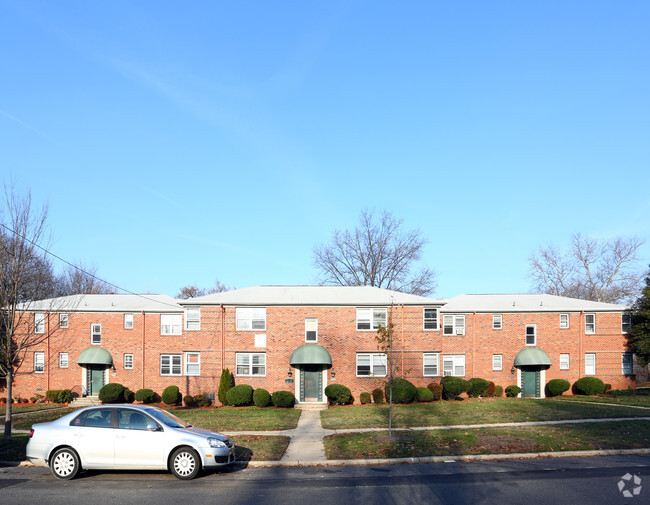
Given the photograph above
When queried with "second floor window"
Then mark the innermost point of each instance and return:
(63, 360)
(370, 319)
(193, 318)
(430, 319)
(497, 321)
(96, 334)
(170, 324)
(128, 321)
(626, 321)
(311, 329)
(531, 334)
(39, 322)
(63, 320)
(590, 324)
(453, 324)
(251, 318)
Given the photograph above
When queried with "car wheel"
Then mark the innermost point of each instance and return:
(65, 464)
(185, 463)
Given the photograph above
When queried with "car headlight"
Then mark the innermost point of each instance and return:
(214, 442)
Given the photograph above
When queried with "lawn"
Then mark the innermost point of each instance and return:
(241, 418)
(260, 448)
(473, 411)
(19, 409)
(405, 444)
(639, 401)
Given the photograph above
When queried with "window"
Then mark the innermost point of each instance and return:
(311, 330)
(63, 360)
(430, 319)
(39, 362)
(590, 364)
(39, 322)
(453, 365)
(453, 324)
(371, 364)
(430, 364)
(564, 361)
(128, 321)
(193, 318)
(128, 361)
(531, 334)
(63, 320)
(170, 364)
(251, 364)
(590, 324)
(251, 318)
(96, 334)
(370, 319)
(171, 324)
(628, 363)
(497, 362)
(497, 321)
(626, 322)
(192, 363)
(564, 321)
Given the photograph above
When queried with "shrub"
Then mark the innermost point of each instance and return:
(172, 396)
(512, 391)
(145, 396)
(64, 396)
(37, 398)
(261, 398)
(337, 394)
(556, 387)
(453, 386)
(423, 394)
(403, 391)
(589, 386)
(378, 395)
(52, 395)
(129, 396)
(498, 391)
(112, 393)
(477, 386)
(240, 395)
(283, 399)
(225, 384)
(201, 400)
(489, 391)
(629, 392)
(436, 389)
(188, 400)
(608, 387)
(365, 398)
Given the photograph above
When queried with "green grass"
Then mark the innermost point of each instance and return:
(260, 448)
(19, 409)
(639, 401)
(574, 437)
(443, 413)
(13, 449)
(241, 418)
(25, 421)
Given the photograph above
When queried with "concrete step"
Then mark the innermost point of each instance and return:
(310, 406)
(85, 401)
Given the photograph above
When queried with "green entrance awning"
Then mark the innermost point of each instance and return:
(310, 354)
(532, 356)
(95, 356)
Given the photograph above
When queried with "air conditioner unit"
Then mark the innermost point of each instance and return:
(460, 332)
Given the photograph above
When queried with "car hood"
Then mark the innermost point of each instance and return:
(205, 433)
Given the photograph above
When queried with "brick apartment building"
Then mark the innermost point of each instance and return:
(302, 338)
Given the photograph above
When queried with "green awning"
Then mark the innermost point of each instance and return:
(532, 356)
(95, 356)
(310, 354)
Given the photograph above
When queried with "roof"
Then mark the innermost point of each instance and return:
(105, 303)
(526, 303)
(312, 295)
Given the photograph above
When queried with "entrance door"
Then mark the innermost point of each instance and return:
(530, 383)
(94, 379)
(311, 383)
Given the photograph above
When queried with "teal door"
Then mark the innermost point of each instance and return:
(529, 382)
(311, 383)
(94, 379)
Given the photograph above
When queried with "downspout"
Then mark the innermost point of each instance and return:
(402, 346)
(580, 337)
(143, 342)
(223, 352)
(474, 341)
(48, 351)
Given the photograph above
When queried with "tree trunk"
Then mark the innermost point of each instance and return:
(10, 379)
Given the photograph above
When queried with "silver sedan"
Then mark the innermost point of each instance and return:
(133, 437)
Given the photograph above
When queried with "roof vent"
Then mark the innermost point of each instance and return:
(513, 303)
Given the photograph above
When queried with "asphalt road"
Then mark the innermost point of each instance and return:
(543, 481)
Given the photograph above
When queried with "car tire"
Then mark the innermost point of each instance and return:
(185, 463)
(64, 464)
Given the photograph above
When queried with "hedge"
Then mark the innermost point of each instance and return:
(589, 386)
(338, 394)
(498, 391)
(129, 396)
(112, 393)
(365, 398)
(225, 384)
(403, 391)
(283, 399)
(452, 387)
(240, 395)
(477, 386)
(172, 396)
(512, 391)
(261, 398)
(423, 394)
(489, 391)
(189, 402)
(378, 395)
(555, 387)
(145, 395)
(436, 389)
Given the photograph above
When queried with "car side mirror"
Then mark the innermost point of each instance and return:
(153, 427)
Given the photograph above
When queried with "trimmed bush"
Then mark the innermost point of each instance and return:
(477, 386)
(261, 398)
(145, 396)
(452, 387)
(403, 391)
(589, 386)
(172, 396)
(607, 387)
(436, 389)
(202, 400)
(556, 387)
(365, 398)
(338, 394)
(423, 394)
(112, 393)
(225, 384)
(498, 391)
(65, 396)
(283, 399)
(378, 395)
(189, 402)
(52, 395)
(129, 396)
(512, 391)
(489, 391)
(240, 395)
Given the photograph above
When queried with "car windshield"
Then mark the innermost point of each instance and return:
(168, 419)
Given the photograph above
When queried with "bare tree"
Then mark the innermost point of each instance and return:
(378, 252)
(82, 279)
(193, 291)
(592, 269)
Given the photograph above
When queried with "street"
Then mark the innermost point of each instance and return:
(562, 480)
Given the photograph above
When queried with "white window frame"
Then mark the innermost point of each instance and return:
(497, 362)
(63, 360)
(171, 324)
(453, 322)
(95, 334)
(371, 317)
(192, 368)
(245, 360)
(431, 360)
(497, 321)
(311, 325)
(428, 320)
(128, 321)
(128, 361)
(374, 361)
(64, 320)
(170, 363)
(39, 322)
(590, 327)
(193, 318)
(452, 363)
(565, 361)
(626, 322)
(627, 370)
(590, 368)
(250, 318)
(39, 362)
(564, 325)
(534, 334)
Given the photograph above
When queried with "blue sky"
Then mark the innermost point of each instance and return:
(178, 143)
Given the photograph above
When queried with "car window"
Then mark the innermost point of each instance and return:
(131, 420)
(96, 418)
(168, 419)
